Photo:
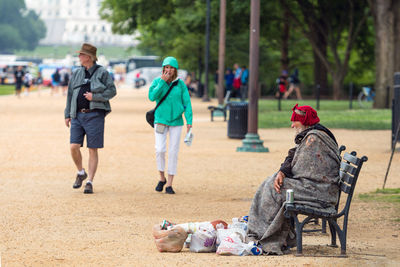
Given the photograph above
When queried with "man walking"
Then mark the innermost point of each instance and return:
(89, 91)
(19, 76)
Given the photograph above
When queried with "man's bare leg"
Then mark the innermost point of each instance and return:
(298, 93)
(93, 161)
(76, 155)
(288, 92)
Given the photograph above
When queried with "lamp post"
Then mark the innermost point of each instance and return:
(207, 54)
(252, 142)
(221, 51)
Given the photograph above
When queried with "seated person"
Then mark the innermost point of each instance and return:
(311, 169)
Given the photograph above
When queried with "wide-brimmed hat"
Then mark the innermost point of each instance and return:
(89, 50)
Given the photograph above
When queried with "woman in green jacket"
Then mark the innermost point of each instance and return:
(168, 119)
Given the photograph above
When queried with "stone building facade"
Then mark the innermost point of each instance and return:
(71, 22)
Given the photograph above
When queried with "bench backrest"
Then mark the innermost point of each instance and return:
(226, 99)
(350, 167)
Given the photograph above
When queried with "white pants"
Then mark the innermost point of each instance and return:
(161, 148)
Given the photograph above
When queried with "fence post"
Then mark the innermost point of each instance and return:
(387, 96)
(279, 101)
(351, 95)
(318, 94)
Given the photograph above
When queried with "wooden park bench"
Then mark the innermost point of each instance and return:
(350, 167)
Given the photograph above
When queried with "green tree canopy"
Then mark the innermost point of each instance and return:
(177, 28)
(19, 28)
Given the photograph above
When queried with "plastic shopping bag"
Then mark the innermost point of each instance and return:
(203, 240)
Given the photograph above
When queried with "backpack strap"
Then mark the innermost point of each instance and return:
(95, 68)
(90, 76)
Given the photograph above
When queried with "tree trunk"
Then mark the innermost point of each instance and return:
(337, 64)
(320, 71)
(200, 66)
(384, 50)
(337, 84)
(285, 41)
(321, 74)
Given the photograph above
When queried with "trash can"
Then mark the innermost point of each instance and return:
(237, 123)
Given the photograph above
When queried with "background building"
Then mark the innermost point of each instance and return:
(70, 22)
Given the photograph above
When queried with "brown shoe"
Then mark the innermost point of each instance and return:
(79, 180)
(88, 188)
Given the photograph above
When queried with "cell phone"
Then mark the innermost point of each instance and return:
(160, 128)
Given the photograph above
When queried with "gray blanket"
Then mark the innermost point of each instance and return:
(315, 169)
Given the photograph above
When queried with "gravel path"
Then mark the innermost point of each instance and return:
(44, 222)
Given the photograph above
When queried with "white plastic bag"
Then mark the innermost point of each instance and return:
(188, 138)
(192, 227)
(203, 240)
(231, 242)
(223, 233)
(232, 245)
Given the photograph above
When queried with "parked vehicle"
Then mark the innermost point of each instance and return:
(147, 75)
(138, 62)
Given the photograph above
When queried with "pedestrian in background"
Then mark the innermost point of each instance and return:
(244, 80)
(39, 82)
(55, 82)
(64, 80)
(168, 119)
(89, 93)
(27, 82)
(236, 80)
(294, 85)
(229, 76)
(18, 76)
(282, 82)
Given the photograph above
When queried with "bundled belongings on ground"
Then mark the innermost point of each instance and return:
(215, 236)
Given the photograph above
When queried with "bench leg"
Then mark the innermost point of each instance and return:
(212, 115)
(323, 228)
(342, 238)
(299, 236)
(341, 234)
(333, 235)
(224, 115)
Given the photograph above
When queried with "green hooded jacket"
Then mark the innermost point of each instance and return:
(177, 102)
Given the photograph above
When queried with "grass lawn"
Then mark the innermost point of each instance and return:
(383, 195)
(110, 52)
(388, 195)
(10, 89)
(7, 89)
(333, 114)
